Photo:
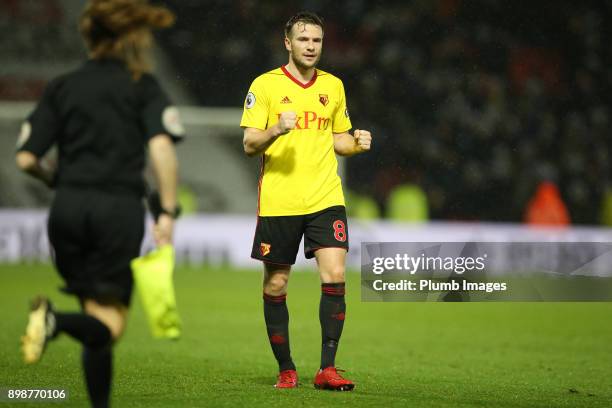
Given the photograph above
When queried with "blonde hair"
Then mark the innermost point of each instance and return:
(122, 29)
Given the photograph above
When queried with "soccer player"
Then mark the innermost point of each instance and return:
(295, 117)
(102, 116)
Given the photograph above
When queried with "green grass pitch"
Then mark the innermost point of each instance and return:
(399, 354)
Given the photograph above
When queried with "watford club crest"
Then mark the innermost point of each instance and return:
(323, 99)
(264, 248)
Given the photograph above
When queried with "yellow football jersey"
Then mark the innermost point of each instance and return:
(299, 170)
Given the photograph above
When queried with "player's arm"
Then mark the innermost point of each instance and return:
(165, 168)
(256, 141)
(346, 144)
(35, 167)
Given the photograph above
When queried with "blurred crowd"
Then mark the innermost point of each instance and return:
(36, 35)
(475, 102)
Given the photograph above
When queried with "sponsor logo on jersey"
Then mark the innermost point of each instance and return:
(265, 248)
(249, 102)
(323, 99)
(286, 100)
(310, 120)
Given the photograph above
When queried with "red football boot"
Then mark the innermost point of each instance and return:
(287, 379)
(329, 379)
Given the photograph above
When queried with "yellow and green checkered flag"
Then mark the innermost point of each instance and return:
(153, 278)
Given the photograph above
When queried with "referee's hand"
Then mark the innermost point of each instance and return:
(286, 122)
(163, 230)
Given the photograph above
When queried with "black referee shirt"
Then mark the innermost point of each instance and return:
(101, 120)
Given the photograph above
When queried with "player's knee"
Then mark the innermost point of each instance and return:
(333, 274)
(276, 284)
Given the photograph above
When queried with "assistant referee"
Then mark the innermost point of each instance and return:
(103, 117)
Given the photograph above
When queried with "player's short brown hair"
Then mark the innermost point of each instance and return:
(306, 17)
(122, 29)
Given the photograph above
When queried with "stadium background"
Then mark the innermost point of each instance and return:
(475, 102)
(472, 105)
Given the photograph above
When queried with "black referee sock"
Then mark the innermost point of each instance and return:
(90, 331)
(331, 315)
(276, 315)
(97, 352)
(98, 366)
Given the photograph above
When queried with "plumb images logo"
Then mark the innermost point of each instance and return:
(476, 271)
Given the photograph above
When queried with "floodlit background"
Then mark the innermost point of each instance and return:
(472, 103)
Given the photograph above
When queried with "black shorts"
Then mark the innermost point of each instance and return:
(95, 235)
(277, 239)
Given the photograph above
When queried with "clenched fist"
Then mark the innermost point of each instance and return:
(363, 139)
(286, 122)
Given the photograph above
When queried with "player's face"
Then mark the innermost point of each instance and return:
(305, 43)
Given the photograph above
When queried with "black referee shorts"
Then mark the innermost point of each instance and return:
(277, 239)
(95, 235)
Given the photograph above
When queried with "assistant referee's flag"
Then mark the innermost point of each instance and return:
(153, 277)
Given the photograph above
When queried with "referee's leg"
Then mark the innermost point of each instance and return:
(97, 357)
(113, 315)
